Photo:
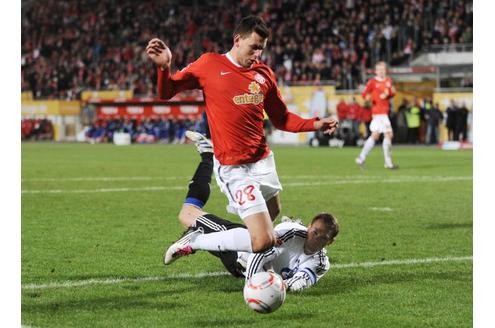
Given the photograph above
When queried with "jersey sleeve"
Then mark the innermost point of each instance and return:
(309, 273)
(186, 79)
(279, 114)
(257, 262)
(391, 89)
(368, 89)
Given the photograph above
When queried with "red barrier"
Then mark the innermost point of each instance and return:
(139, 108)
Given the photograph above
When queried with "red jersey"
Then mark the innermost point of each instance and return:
(353, 111)
(375, 88)
(235, 99)
(342, 111)
(365, 114)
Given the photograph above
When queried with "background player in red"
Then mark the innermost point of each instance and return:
(379, 91)
(237, 88)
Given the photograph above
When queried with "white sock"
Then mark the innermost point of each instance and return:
(237, 239)
(368, 146)
(387, 151)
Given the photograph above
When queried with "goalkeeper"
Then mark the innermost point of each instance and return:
(299, 255)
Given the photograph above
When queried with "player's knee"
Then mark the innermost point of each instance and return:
(188, 215)
(260, 244)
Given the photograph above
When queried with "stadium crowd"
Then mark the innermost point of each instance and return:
(36, 129)
(69, 47)
(148, 130)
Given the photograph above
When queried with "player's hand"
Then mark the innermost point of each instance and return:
(385, 94)
(327, 124)
(159, 53)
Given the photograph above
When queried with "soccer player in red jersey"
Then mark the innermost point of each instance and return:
(379, 91)
(237, 88)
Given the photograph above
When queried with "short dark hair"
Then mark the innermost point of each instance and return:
(330, 222)
(250, 24)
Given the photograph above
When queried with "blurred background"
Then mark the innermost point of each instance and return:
(86, 77)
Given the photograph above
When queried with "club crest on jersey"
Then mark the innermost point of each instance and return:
(254, 98)
(254, 87)
(259, 78)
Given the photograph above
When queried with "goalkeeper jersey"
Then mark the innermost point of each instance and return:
(288, 259)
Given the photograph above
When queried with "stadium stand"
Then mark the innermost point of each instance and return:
(69, 47)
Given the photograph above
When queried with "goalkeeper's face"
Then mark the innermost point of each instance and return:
(248, 49)
(319, 236)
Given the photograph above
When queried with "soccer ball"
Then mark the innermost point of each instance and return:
(264, 292)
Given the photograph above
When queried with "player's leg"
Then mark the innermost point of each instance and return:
(249, 204)
(210, 223)
(265, 174)
(261, 231)
(241, 186)
(368, 145)
(199, 186)
(387, 150)
(274, 206)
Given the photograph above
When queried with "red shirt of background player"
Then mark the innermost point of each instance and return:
(235, 98)
(342, 110)
(353, 111)
(365, 114)
(375, 87)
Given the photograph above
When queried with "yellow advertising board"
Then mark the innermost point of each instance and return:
(50, 107)
(301, 99)
(301, 96)
(26, 95)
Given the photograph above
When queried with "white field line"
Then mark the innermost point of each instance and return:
(113, 281)
(82, 191)
(381, 209)
(283, 177)
(290, 184)
(102, 179)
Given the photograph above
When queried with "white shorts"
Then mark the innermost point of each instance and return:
(380, 123)
(248, 186)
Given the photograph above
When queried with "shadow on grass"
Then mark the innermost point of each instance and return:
(254, 319)
(335, 285)
(166, 295)
(468, 225)
(175, 295)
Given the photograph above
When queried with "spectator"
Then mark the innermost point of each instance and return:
(342, 110)
(433, 118)
(353, 112)
(365, 118)
(461, 126)
(413, 122)
(85, 44)
(452, 121)
(401, 121)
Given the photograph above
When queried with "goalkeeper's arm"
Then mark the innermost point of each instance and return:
(301, 280)
(308, 276)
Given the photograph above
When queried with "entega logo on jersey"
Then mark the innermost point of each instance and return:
(254, 98)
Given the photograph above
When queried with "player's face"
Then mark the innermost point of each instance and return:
(249, 48)
(318, 237)
(381, 71)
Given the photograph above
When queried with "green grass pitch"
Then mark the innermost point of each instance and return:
(96, 219)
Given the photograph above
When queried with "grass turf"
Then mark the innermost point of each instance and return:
(106, 212)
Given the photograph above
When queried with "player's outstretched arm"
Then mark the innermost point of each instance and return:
(159, 53)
